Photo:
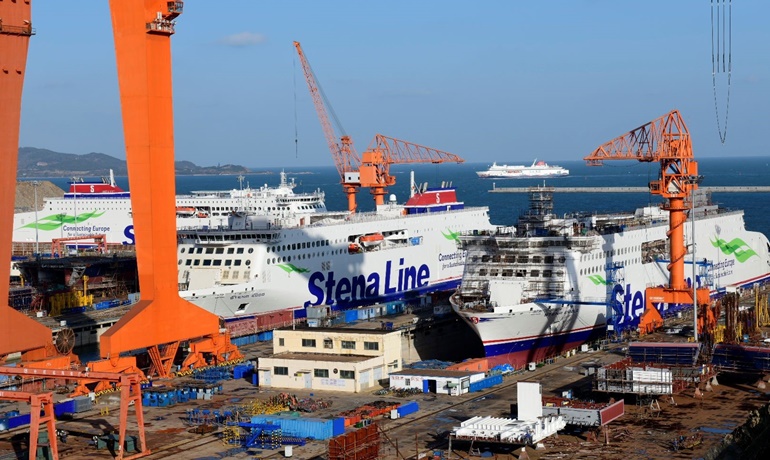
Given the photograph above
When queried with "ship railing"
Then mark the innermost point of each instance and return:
(16, 30)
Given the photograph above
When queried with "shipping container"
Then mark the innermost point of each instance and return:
(306, 428)
(266, 336)
(408, 408)
(18, 420)
(351, 316)
(83, 403)
(477, 364)
(65, 406)
(488, 382)
(338, 426)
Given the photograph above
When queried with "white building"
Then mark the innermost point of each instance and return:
(350, 360)
(438, 381)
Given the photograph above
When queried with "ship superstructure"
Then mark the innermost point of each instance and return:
(93, 208)
(552, 283)
(267, 264)
(538, 170)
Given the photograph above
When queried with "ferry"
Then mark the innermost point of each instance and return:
(538, 170)
(334, 260)
(550, 284)
(102, 208)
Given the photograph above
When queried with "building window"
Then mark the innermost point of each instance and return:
(280, 370)
(308, 343)
(280, 342)
(348, 345)
(321, 373)
(371, 346)
(351, 375)
(328, 343)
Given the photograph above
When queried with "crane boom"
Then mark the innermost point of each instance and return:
(346, 160)
(666, 140)
(384, 151)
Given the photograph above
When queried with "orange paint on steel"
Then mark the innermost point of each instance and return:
(345, 157)
(667, 141)
(130, 395)
(38, 402)
(17, 331)
(142, 31)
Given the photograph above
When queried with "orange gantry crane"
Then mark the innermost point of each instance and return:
(18, 333)
(372, 169)
(161, 321)
(667, 141)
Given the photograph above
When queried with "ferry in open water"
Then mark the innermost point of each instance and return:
(552, 283)
(538, 170)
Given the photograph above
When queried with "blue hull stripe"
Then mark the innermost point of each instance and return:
(548, 341)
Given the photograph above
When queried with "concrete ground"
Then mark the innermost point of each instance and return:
(643, 432)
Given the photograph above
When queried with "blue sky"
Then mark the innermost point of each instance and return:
(487, 80)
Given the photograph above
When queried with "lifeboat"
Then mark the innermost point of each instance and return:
(372, 240)
(184, 211)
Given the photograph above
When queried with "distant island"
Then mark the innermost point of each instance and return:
(34, 162)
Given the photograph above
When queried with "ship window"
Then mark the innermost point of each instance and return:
(546, 273)
(230, 250)
(199, 251)
(483, 272)
(197, 262)
(248, 262)
(220, 251)
(225, 274)
(549, 259)
(182, 250)
(209, 250)
(228, 262)
(237, 262)
(247, 274)
(236, 274)
(217, 263)
(251, 250)
(239, 251)
(534, 273)
(242, 306)
(180, 262)
(188, 262)
(207, 263)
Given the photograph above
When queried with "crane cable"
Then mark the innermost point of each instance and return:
(296, 135)
(725, 64)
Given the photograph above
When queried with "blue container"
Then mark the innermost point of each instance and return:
(163, 400)
(18, 420)
(3, 423)
(351, 316)
(65, 406)
(255, 378)
(338, 426)
(409, 408)
(265, 336)
(146, 400)
(153, 399)
(488, 382)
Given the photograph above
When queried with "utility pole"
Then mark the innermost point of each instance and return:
(37, 238)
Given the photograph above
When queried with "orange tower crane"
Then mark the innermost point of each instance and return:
(345, 157)
(161, 321)
(667, 141)
(372, 170)
(18, 333)
(385, 151)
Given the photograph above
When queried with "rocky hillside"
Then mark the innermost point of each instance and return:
(34, 162)
(25, 194)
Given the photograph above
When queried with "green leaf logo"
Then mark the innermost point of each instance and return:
(597, 280)
(288, 268)
(737, 247)
(55, 221)
(450, 235)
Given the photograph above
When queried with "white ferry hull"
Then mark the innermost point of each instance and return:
(518, 333)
